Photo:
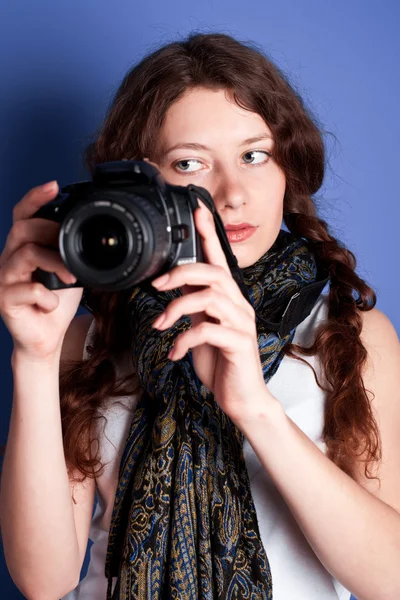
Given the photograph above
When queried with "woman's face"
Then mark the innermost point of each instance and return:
(208, 140)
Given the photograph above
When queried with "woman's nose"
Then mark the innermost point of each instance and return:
(229, 192)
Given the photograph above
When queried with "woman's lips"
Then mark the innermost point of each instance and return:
(239, 233)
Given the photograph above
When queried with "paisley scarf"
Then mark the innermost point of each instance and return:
(184, 523)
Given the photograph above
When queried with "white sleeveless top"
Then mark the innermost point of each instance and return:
(296, 570)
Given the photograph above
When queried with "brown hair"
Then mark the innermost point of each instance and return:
(130, 131)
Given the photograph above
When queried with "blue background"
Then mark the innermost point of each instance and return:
(60, 63)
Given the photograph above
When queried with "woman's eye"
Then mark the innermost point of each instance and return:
(255, 157)
(187, 165)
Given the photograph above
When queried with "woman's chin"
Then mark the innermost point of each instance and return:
(246, 259)
(247, 256)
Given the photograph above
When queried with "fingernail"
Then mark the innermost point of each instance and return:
(49, 187)
(160, 281)
(160, 319)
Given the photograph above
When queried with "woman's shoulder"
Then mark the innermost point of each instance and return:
(381, 372)
(378, 329)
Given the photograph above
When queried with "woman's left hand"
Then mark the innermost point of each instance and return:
(223, 336)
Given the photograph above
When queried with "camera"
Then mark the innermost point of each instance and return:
(125, 226)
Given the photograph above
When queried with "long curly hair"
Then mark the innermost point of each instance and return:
(130, 130)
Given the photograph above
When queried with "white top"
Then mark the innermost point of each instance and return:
(296, 570)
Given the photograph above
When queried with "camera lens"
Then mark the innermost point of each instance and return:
(103, 242)
(113, 240)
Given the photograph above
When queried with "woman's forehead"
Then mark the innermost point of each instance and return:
(204, 116)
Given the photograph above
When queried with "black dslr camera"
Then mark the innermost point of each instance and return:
(125, 226)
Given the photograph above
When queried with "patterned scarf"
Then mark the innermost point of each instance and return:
(184, 523)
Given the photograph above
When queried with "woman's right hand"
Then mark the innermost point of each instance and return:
(36, 317)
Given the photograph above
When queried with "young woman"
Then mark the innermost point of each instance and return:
(229, 460)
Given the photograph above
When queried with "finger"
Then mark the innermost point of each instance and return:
(150, 162)
(25, 260)
(227, 339)
(211, 245)
(34, 199)
(23, 294)
(41, 231)
(211, 303)
(201, 274)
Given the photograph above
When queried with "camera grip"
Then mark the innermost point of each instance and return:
(51, 281)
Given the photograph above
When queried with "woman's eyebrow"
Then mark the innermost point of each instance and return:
(197, 146)
(257, 138)
(186, 146)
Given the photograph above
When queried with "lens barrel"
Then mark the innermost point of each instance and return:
(115, 239)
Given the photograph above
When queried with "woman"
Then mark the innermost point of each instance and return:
(228, 468)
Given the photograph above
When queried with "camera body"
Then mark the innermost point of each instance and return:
(122, 228)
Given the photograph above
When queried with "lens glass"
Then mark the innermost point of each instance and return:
(103, 242)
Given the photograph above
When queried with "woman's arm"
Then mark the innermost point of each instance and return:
(44, 535)
(354, 532)
(353, 527)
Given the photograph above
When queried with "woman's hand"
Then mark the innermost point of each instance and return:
(223, 336)
(37, 318)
